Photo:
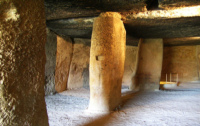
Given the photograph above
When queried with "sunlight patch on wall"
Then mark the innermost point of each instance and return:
(11, 14)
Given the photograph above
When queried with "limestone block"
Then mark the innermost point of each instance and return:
(150, 57)
(171, 4)
(63, 61)
(50, 66)
(130, 64)
(79, 69)
(198, 60)
(107, 58)
(22, 63)
(181, 60)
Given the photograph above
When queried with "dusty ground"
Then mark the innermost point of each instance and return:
(173, 107)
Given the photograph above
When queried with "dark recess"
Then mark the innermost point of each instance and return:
(152, 4)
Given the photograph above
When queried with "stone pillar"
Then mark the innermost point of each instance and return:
(198, 61)
(150, 57)
(107, 57)
(63, 61)
(22, 63)
(50, 66)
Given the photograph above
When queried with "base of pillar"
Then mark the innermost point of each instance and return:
(98, 111)
(97, 108)
(149, 87)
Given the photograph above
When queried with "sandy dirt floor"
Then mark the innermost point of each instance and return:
(179, 106)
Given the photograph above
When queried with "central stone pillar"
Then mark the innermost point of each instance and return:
(150, 57)
(107, 56)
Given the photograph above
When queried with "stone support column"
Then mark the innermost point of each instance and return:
(22, 63)
(63, 61)
(50, 66)
(107, 57)
(150, 57)
(198, 61)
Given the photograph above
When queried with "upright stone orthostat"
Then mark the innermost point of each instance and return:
(63, 61)
(107, 56)
(150, 57)
(22, 63)
(50, 66)
(79, 68)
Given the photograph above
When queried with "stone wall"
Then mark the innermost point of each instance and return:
(22, 63)
(198, 60)
(130, 64)
(79, 68)
(63, 61)
(181, 60)
(50, 66)
(177, 59)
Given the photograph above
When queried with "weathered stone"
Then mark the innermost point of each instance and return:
(130, 64)
(22, 63)
(181, 41)
(163, 28)
(136, 27)
(198, 61)
(181, 60)
(89, 8)
(63, 61)
(107, 58)
(50, 66)
(79, 68)
(169, 4)
(150, 57)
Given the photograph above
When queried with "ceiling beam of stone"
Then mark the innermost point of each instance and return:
(138, 28)
(169, 4)
(182, 41)
(75, 28)
(59, 9)
(164, 28)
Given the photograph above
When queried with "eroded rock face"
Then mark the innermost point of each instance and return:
(63, 61)
(22, 63)
(79, 69)
(50, 66)
(107, 58)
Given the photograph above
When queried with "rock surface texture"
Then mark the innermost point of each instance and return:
(170, 4)
(79, 69)
(198, 61)
(150, 57)
(50, 66)
(130, 64)
(22, 63)
(181, 60)
(89, 8)
(63, 61)
(107, 58)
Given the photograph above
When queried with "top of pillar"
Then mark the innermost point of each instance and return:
(111, 14)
